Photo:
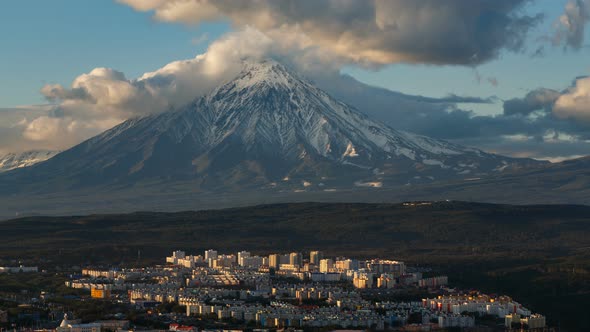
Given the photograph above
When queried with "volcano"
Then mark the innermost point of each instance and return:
(266, 128)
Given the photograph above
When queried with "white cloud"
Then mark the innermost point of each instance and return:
(575, 102)
(44, 127)
(180, 82)
(12, 123)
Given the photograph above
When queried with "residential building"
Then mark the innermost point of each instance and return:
(315, 257)
(326, 265)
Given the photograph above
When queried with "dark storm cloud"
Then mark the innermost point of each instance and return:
(536, 100)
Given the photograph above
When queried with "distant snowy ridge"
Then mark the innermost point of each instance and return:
(11, 161)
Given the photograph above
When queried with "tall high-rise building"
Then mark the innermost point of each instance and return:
(210, 254)
(315, 257)
(241, 256)
(274, 261)
(342, 264)
(179, 254)
(295, 259)
(326, 265)
(285, 259)
(386, 266)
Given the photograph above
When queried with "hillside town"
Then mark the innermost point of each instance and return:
(288, 291)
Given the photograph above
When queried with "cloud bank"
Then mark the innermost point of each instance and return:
(535, 125)
(372, 32)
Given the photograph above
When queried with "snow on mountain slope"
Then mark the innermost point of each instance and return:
(267, 104)
(24, 159)
(266, 127)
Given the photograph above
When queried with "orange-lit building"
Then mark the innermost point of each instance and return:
(100, 292)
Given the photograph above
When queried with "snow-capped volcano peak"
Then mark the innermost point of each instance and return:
(265, 73)
(268, 103)
(258, 77)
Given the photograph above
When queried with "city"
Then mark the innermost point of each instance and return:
(243, 291)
